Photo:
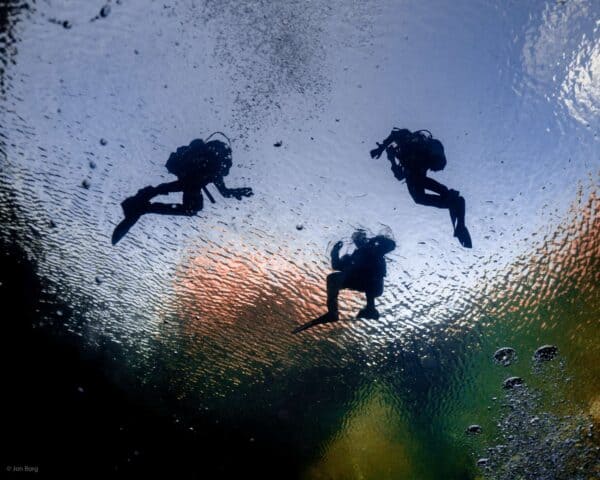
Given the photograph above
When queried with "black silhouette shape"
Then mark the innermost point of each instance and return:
(412, 154)
(195, 166)
(363, 271)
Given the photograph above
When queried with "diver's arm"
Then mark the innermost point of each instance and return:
(396, 136)
(336, 262)
(231, 192)
(387, 245)
(398, 170)
(376, 152)
(382, 244)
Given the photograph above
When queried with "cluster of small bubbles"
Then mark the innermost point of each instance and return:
(539, 445)
(536, 444)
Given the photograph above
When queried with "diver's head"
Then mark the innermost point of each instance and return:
(359, 238)
(221, 151)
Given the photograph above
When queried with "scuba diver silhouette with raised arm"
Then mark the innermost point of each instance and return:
(362, 270)
(411, 155)
(195, 166)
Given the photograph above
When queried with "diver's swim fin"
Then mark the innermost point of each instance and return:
(457, 206)
(327, 318)
(463, 236)
(370, 313)
(123, 227)
(133, 208)
(453, 218)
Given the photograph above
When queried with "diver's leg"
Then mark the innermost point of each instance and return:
(458, 207)
(170, 187)
(417, 192)
(193, 200)
(165, 208)
(133, 209)
(334, 284)
(192, 204)
(434, 186)
(370, 301)
(457, 210)
(449, 196)
(335, 281)
(449, 199)
(139, 204)
(136, 204)
(370, 311)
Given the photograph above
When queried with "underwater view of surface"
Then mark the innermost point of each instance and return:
(169, 350)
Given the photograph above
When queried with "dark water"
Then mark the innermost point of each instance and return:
(172, 353)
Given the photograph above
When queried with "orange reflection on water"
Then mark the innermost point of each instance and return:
(236, 306)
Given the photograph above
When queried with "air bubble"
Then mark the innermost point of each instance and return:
(545, 353)
(505, 356)
(512, 382)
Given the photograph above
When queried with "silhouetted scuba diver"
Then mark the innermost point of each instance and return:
(411, 155)
(362, 270)
(195, 165)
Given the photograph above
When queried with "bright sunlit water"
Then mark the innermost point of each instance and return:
(203, 307)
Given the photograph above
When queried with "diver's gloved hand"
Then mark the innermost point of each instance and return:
(376, 152)
(335, 251)
(241, 192)
(398, 171)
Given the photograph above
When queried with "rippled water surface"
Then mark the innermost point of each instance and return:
(199, 310)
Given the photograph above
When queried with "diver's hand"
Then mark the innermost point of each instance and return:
(338, 245)
(376, 152)
(241, 192)
(398, 171)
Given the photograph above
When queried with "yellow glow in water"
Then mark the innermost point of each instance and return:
(372, 444)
